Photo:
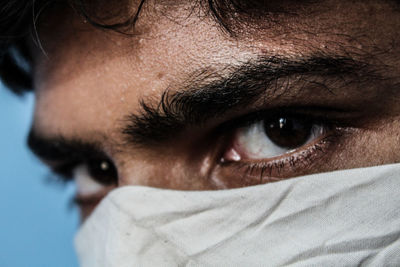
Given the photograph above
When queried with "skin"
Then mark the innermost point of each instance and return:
(89, 80)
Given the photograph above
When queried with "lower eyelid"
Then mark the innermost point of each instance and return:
(88, 204)
(299, 162)
(242, 155)
(320, 142)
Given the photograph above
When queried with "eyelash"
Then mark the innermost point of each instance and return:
(317, 114)
(63, 171)
(224, 133)
(267, 169)
(305, 157)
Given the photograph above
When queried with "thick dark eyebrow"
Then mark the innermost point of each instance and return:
(204, 99)
(59, 149)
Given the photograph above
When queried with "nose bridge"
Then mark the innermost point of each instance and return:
(163, 171)
(154, 171)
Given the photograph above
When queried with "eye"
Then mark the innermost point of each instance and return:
(273, 137)
(92, 176)
(269, 146)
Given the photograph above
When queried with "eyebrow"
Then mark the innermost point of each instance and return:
(59, 149)
(203, 100)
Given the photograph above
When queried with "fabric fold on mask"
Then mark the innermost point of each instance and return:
(341, 218)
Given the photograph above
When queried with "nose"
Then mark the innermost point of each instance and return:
(171, 171)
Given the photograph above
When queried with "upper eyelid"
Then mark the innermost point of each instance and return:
(201, 100)
(299, 112)
(65, 169)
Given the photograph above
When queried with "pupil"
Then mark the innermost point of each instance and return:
(103, 171)
(288, 132)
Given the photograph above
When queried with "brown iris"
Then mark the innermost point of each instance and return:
(288, 133)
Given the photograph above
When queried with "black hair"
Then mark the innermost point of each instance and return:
(15, 20)
(18, 22)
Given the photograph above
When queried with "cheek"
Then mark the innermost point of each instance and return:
(386, 140)
(377, 145)
(86, 210)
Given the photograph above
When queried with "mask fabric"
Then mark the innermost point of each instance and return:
(342, 218)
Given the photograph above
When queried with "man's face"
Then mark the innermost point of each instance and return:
(182, 104)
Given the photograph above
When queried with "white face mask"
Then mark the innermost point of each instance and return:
(343, 218)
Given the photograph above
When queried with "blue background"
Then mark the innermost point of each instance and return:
(37, 222)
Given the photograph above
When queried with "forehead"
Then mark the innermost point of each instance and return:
(89, 79)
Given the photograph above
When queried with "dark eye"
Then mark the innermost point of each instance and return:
(273, 137)
(102, 171)
(94, 176)
(288, 133)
